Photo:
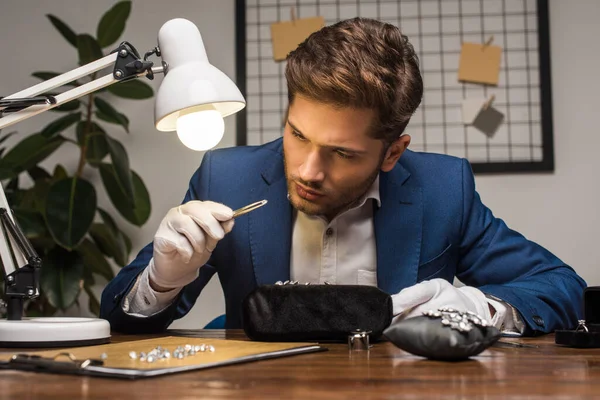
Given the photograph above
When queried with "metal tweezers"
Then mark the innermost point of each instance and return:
(248, 208)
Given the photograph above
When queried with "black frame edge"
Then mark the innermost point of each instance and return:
(545, 83)
(547, 126)
(240, 67)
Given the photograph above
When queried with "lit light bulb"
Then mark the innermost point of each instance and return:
(200, 130)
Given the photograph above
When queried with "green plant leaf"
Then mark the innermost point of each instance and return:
(97, 149)
(123, 120)
(70, 210)
(112, 23)
(13, 193)
(94, 260)
(27, 153)
(40, 308)
(64, 30)
(60, 124)
(6, 172)
(107, 113)
(120, 162)
(109, 243)
(38, 173)
(72, 105)
(31, 222)
(93, 303)
(61, 277)
(59, 173)
(127, 243)
(89, 49)
(34, 227)
(13, 184)
(40, 195)
(136, 213)
(35, 197)
(96, 145)
(88, 275)
(82, 131)
(108, 220)
(132, 89)
(110, 223)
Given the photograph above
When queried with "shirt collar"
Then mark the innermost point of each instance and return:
(372, 193)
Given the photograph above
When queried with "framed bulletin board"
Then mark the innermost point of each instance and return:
(522, 142)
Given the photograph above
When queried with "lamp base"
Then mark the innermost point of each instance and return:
(54, 332)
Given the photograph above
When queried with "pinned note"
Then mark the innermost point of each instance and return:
(482, 115)
(470, 109)
(479, 63)
(287, 35)
(488, 121)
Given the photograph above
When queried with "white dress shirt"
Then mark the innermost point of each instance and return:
(341, 251)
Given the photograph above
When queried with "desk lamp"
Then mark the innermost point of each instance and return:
(193, 99)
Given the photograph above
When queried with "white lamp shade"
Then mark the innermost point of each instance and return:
(191, 83)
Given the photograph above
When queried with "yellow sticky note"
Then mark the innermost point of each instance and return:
(479, 63)
(287, 35)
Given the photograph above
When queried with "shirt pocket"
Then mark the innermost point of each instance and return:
(366, 277)
(435, 266)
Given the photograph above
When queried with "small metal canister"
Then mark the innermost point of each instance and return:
(358, 340)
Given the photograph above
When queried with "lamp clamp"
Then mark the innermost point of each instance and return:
(22, 283)
(129, 65)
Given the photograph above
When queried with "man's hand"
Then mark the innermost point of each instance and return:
(184, 242)
(436, 293)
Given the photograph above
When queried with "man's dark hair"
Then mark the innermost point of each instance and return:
(361, 63)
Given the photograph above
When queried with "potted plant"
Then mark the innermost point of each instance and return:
(58, 209)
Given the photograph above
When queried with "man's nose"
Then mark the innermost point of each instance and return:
(313, 168)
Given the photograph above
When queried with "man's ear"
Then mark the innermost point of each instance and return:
(393, 153)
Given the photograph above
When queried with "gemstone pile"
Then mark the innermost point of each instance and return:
(161, 353)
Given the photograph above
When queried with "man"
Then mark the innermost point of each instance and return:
(347, 204)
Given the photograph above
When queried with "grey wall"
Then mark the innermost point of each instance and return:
(557, 210)
(560, 210)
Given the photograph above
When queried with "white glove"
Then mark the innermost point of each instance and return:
(185, 240)
(436, 293)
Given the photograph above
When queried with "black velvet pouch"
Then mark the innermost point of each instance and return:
(442, 337)
(298, 312)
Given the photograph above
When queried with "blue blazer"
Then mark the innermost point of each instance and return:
(431, 224)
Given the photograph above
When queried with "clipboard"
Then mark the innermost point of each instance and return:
(113, 360)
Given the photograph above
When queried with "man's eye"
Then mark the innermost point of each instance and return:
(298, 135)
(345, 155)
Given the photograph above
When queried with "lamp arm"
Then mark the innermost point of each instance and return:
(20, 262)
(127, 65)
(66, 78)
(61, 98)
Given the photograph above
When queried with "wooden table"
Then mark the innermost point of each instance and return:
(386, 372)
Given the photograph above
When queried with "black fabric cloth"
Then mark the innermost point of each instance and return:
(315, 312)
(428, 337)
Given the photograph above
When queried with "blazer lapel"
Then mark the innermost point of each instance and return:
(398, 231)
(270, 227)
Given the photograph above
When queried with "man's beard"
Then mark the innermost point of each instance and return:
(343, 201)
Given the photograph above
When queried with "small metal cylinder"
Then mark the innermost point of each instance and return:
(358, 341)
